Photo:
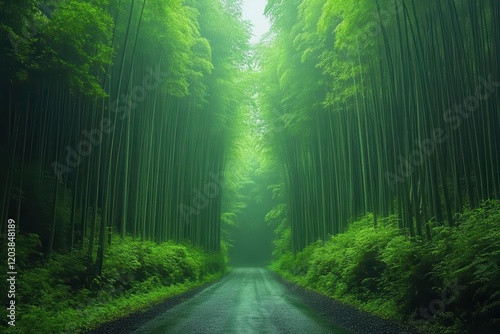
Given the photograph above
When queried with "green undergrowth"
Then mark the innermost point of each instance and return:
(448, 285)
(56, 297)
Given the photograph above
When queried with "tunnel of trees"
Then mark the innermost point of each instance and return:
(142, 141)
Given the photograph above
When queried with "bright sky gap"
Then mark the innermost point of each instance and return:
(253, 11)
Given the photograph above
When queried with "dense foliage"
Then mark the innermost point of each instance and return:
(436, 286)
(55, 297)
(387, 110)
(119, 117)
(386, 106)
(119, 120)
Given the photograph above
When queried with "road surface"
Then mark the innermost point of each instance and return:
(247, 300)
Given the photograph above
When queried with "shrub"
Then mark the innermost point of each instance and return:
(472, 260)
(382, 271)
(53, 296)
(121, 264)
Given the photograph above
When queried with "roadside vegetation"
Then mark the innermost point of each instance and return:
(56, 297)
(117, 119)
(382, 119)
(447, 285)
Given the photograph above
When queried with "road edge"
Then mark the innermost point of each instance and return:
(134, 321)
(346, 316)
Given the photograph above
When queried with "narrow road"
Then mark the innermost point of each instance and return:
(248, 300)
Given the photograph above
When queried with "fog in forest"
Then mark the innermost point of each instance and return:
(262, 155)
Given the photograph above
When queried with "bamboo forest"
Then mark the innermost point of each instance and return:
(250, 166)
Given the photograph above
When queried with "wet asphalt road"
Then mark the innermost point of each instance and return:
(248, 300)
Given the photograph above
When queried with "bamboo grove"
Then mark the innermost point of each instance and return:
(383, 106)
(118, 117)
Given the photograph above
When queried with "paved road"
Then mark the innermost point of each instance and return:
(248, 300)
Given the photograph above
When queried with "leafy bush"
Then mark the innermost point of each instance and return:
(121, 264)
(58, 289)
(69, 269)
(28, 251)
(472, 260)
(384, 272)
